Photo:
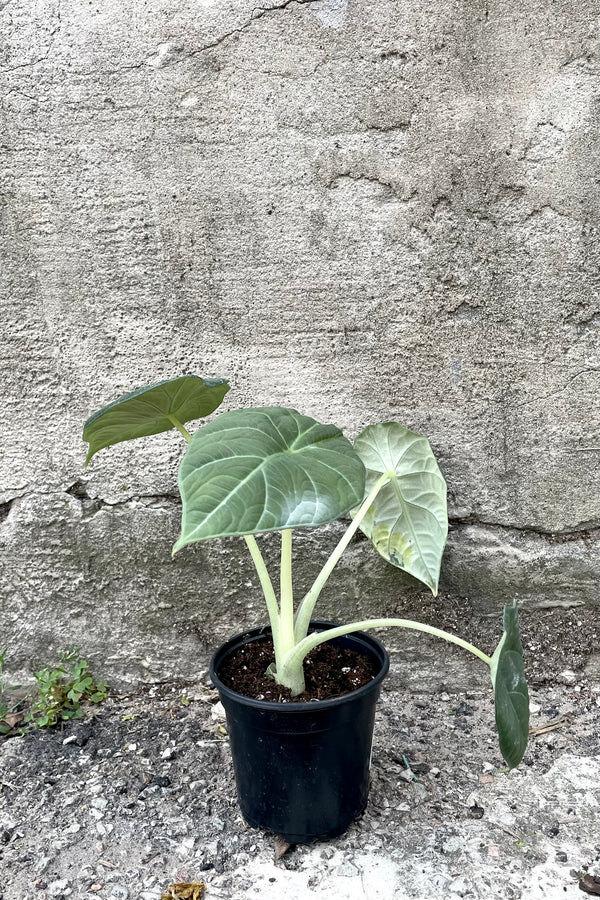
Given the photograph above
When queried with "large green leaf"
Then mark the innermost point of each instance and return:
(265, 469)
(511, 697)
(408, 522)
(147, 410)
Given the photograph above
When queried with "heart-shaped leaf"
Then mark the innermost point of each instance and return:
(265, 469)
(147, 410)
(408, 521)
(511, 697)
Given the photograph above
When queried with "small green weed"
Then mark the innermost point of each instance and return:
(61, 690)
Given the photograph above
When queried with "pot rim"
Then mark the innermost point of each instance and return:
(373, 645)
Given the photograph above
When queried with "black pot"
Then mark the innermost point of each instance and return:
(302, 769)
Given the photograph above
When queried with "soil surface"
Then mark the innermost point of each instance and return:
(329, 671)
(140, 795)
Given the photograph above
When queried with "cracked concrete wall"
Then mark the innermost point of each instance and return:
(363, 210)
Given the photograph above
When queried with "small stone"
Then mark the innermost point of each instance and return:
(169, 753)
(119, 892)
(217, 712)
(347, 869)
(186, 847)
(73, 828)
(42, 864)
(561, 856)
(567, 677)
(406, 775)
(59, 888)
(99, 802)
(83, 734)
(72, 739)
(162, 781)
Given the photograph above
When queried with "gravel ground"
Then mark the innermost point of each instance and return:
(141, 794)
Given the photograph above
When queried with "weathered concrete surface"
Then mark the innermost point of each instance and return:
(363, 210)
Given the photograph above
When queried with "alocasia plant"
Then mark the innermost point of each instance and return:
(250, 471)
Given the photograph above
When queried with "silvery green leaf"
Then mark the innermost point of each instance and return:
(408, 521)
(146, 411)
(265, 469)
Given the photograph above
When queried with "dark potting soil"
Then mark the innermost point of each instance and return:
(329, 671)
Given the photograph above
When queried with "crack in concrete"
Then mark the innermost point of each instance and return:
(51, 43)
(257, 13)
(505, 400)
(583, 531)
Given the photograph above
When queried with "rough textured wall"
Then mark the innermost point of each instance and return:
(363, 210)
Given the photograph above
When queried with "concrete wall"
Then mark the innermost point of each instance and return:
(365, 210)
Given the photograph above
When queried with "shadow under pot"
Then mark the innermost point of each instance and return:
(302, 769)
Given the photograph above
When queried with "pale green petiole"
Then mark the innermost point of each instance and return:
(181, 428)
(286, 619)
(267, 588)
(306, 608)
(291, 673)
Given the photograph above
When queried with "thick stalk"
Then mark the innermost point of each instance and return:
(267, 588)
(306, 608)
(292, 664)
(286, 618)
(179, 427)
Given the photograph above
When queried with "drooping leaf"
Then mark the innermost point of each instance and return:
(511, 698)
(408, 522)
(265, 469)
(147, 410)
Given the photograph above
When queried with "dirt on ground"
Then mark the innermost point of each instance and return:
(140, 795)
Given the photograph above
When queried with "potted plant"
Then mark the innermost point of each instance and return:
(302, 765)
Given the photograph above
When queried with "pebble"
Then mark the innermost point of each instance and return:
(406, 775)
(217, 712)
(567, 677)
(458, 886)
(119, 892)
(59, 888)
(186, 847)
(347, 869)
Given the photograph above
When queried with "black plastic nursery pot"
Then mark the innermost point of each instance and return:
(302, 769)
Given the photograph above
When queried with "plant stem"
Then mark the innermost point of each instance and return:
(286, 620)
(294, 659)
(179, 427)
(306, 608)
(267, 588)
